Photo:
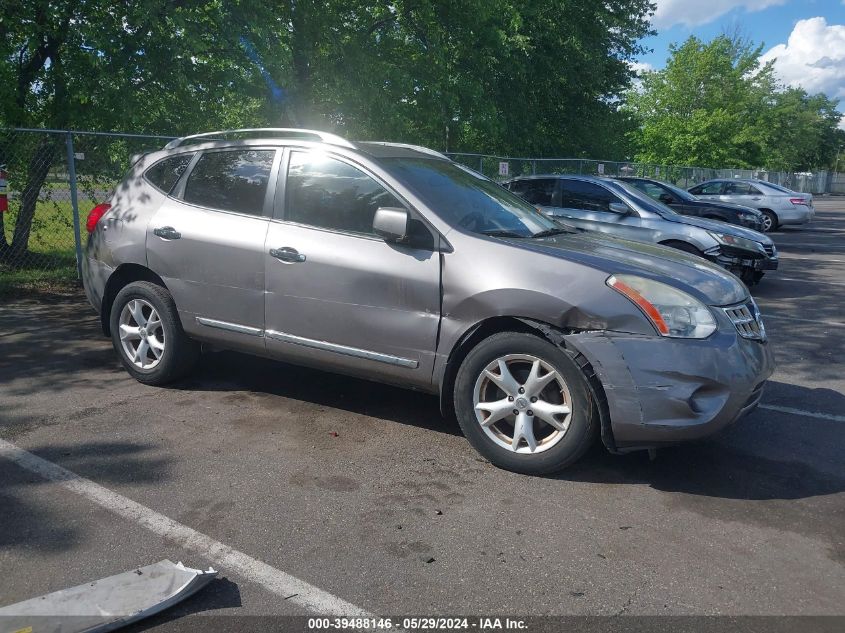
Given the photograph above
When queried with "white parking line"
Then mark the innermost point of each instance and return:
(224, 557)
(811, 281)
(801, 412)
(812, 259)
(767, 316)
(799, 245)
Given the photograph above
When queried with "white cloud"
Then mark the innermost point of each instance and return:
(644, 67)
(698, 12)
(813, 57)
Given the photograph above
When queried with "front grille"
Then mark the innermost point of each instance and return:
(746, 318)
(770, 249)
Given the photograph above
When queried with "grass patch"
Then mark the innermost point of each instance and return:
(49, 265)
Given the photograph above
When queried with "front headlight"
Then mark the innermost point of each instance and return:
(737, 242)
(672, 312)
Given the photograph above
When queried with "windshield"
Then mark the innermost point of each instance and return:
(643, 200)
(464, 198)
(682, 194)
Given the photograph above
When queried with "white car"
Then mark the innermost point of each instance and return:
(779, 205)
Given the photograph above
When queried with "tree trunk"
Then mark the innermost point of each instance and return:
(39, 165)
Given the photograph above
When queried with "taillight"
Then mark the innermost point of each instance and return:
(798, 201)
(95, 214)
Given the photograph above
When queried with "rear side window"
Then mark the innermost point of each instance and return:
(232, 180)
(330, 194)
(707, 189)
(740, 189)
(165, 173)
(579, 194)
(537, 191)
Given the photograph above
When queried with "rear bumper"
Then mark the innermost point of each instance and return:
(798, 214)
(95, 275)
(663, 391)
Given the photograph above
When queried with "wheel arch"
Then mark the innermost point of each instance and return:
(122, 276)
(682, 245)
(547, 331)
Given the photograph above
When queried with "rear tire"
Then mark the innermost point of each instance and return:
(770, 221)
(552, 383)
(147, 335)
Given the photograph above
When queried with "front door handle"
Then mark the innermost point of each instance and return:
(287, 254)
(167, 233)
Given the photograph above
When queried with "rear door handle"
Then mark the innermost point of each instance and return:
(167, 233)
(287, 254)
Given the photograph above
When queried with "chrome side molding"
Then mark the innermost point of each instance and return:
(343, 349)
(231, 327)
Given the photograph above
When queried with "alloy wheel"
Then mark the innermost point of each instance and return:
(522, 403)
(141, 334)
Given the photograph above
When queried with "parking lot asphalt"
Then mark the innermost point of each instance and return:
(366, 493)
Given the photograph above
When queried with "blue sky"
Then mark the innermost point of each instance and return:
(805, 37)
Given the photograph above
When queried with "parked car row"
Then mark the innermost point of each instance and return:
(393, 263)
(629, 210)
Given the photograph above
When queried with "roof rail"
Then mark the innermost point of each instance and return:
(325, 137)
(418, 148)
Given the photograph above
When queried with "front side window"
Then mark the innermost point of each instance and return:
(537, 191)
(231, 180)
(324, 192)
(579, 194)
(165, 173)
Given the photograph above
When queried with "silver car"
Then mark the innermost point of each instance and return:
(393, 263)
(779, 205)
(617, 208)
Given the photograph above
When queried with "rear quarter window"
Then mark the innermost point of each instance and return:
(166, 172)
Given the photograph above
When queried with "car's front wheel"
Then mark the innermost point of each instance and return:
(525, 404)
(148, 336)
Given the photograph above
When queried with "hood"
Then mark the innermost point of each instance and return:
(692, 274)
(721, 227)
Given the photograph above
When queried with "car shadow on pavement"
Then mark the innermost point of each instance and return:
(231, 371)
(768, 455)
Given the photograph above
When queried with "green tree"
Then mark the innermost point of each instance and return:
(715, 105)
(143, 66)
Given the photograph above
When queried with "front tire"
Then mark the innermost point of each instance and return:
(147, 335)
(525, 404)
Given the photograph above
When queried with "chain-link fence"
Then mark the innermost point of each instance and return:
(504, 167)
(54, 177)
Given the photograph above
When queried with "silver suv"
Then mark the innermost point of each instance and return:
(393, 263)
(778, 205)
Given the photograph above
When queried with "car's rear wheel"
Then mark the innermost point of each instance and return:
(770, 221)
(148, 336)
(525, 404)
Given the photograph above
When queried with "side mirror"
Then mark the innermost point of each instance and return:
(391, 223)
(618, 207)
(665, 198)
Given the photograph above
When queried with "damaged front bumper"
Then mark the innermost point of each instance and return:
(739, 260)
(108, 603)
(666, 390)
